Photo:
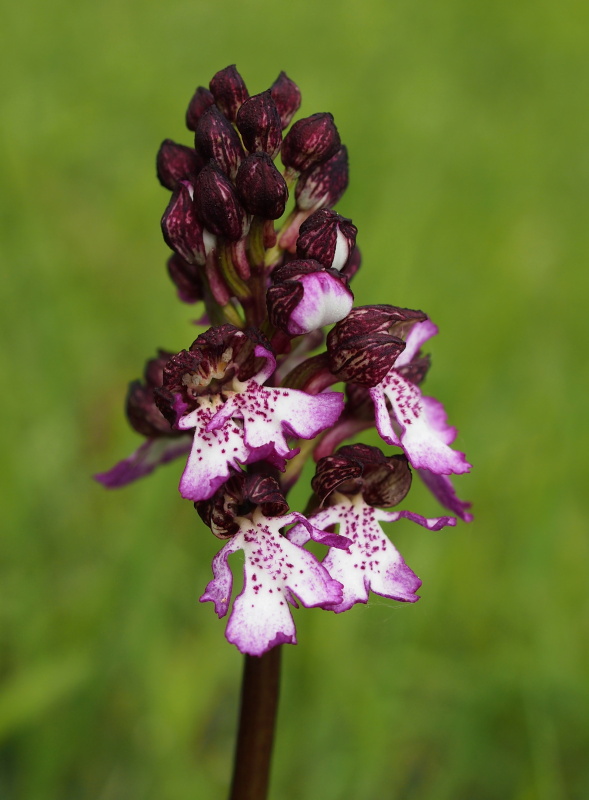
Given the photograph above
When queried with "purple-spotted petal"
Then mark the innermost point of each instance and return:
(442, 489)
(420, 426)
(213, 454)
(150, 455)
(371, 563)
(270, 415)
(275, 571)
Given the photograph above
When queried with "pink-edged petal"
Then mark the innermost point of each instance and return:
(431, 523)
(213, 454)
(417, 336)
(270, 415)
(275, 571)
(442, 489)
(372, 563)
(326, 299)
(382, 416)
(144, 460)
(421, 438)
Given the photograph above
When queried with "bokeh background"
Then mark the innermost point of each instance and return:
(467, 130)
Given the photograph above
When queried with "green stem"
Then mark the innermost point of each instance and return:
(257, 719)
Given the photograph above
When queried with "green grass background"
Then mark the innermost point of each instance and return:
(467, 129)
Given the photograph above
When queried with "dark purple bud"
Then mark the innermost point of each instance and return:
(258, 121)
(217, 139)
(187, 279)
(239, 497)
(364, 347)
(304, 296)
(365, 359)
(260, 187)
(287, 96)
(141, 409)
(229, 91)
(324, 185)
(310, 141)
(180, 226)
(358, 468)
(217, 205)
(201, 100)
(175, 162)
(327, 237)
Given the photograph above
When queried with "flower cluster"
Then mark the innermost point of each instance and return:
(251, 399)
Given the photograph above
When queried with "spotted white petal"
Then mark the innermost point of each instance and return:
(417, 424)
(275, 571)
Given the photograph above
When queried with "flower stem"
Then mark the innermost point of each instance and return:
(257, 718)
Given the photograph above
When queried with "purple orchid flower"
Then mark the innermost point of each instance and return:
(414, 422)
(250, 425)
(276, 569)
(372, 562)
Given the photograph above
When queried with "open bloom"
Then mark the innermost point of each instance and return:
(414, 422)
(239, 421)
(372, 562)
(276, 570)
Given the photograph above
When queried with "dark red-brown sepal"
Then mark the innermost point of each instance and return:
(327, 237)
(324, 184)
(229, 90)
(176, 162)
(201, 100)
(383, 481)
(260, 187)
(259, 123)
(217, 204)
(181, 228)
(217, 139)
(287, 96)
(310, 141)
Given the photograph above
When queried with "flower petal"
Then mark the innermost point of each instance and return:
(150, 455)
(213, 454)
(371, 563)
(275, 570)
(421, 422)
(442, 489)
(270, 414)
(417, 336)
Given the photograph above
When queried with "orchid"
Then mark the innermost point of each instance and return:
(252, 399)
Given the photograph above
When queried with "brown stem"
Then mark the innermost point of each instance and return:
(257, 718)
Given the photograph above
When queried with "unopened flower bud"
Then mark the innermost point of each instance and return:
(201, 100)
(217, 205)
(287, 96)
(229, 91)
(175, 162)
(238, 497)
(187, 279)
(327, 237)
(383, 481)
(217, 139)
(261, 188)
(364, 347)
(304, 297)
(142, 412)
(180, 226)
(259, 123)
(310, 141)
(324, 185)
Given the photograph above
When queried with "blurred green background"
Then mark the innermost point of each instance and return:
(467, 130)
